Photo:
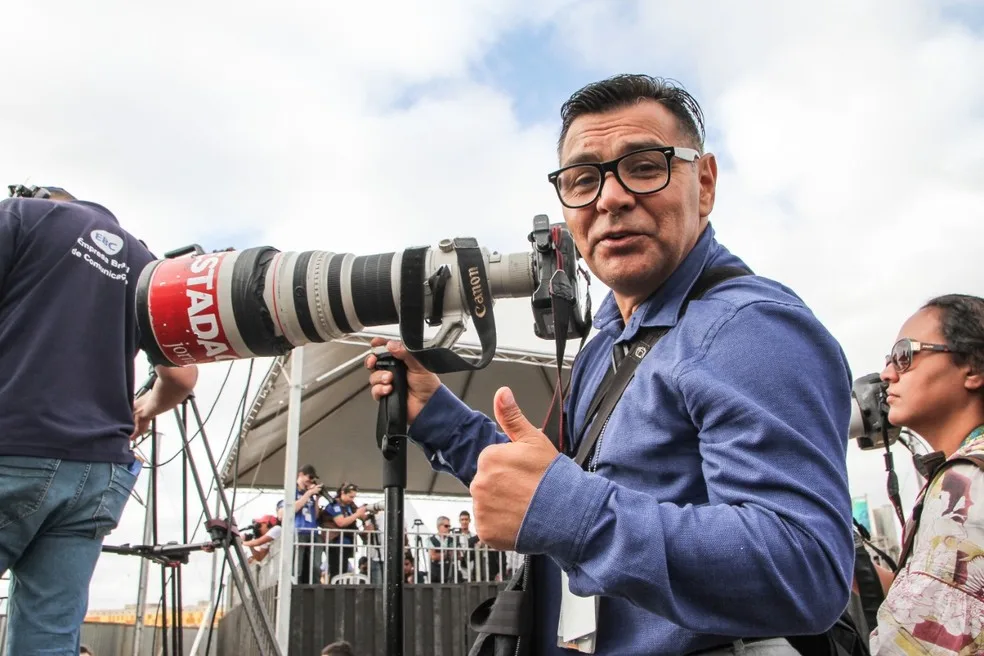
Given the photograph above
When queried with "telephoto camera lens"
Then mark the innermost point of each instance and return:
(263, 302)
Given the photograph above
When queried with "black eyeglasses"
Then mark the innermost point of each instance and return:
(904, 350)
(641, 172)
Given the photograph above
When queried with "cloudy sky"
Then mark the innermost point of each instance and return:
(850, 138)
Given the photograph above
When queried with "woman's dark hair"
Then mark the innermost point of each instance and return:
(962, 324)
(622, 90)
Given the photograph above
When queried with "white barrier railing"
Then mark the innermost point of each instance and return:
(346, 556)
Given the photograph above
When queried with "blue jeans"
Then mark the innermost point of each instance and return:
(54, 515)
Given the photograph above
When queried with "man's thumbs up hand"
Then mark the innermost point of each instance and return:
(515, 424)
(508, 474)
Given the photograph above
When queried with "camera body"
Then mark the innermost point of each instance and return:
(324, 493)
(23, 191)
(869, 426)
(556, 274)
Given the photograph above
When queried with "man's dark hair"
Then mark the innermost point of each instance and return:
(85, 650)
(464, 513)
(339, 648)
(308, 470)
(962, 324)
(620, 91)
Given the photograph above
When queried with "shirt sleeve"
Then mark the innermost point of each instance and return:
(9, 233)
(772, 550)
(452, 435)
(936, 603)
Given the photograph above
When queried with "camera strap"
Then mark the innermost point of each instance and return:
(478, 297)
(910, 530)
(617, 378)
(562, 303)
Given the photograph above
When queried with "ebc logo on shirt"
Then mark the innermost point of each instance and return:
(107, 242)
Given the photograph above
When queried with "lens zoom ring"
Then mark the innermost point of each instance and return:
(334, 280)
(372, 290)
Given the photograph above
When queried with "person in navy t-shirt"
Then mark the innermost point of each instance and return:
(68, 339)
(344, 515)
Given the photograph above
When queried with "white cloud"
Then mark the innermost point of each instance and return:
(850, 139)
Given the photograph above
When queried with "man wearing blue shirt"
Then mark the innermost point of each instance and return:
(307, 512)
(715, 507)
(68, 338)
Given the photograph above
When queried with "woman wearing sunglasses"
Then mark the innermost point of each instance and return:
(935, 379)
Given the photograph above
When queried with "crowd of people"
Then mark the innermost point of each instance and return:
(331, 533)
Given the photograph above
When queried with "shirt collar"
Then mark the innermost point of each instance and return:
(662, 308)
(974, 440)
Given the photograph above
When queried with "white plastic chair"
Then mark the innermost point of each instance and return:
(350, 579)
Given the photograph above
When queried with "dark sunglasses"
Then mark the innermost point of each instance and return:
(905, 349)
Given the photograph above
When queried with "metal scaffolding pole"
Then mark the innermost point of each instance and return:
(290, 486)
(148, 537)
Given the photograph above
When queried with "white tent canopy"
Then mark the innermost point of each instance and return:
(338, 415)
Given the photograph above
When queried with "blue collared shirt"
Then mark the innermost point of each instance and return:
(720, 506)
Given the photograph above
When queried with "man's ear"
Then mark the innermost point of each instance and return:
(707, 179)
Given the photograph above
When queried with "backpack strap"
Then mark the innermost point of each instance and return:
(870, 593)
(913, 527)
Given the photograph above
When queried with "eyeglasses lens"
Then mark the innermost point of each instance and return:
(902, 355)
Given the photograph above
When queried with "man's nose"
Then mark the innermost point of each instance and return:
(614, 197)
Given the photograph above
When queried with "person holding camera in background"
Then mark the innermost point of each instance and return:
(343, 514)
(68, 339)
(712, 511)
(307, 513)
(267, 529)
(935, 379)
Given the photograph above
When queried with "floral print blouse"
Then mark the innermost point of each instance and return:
(936, 604)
